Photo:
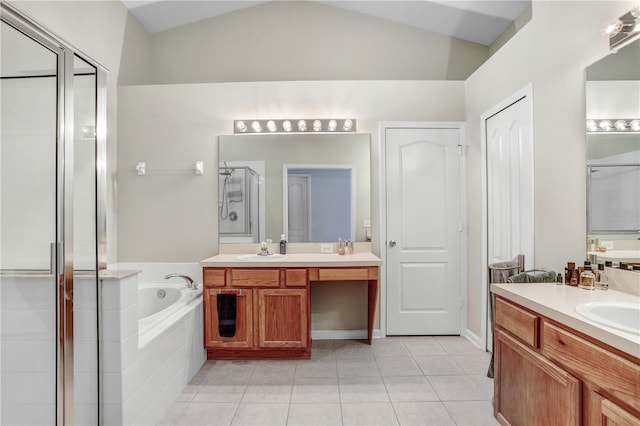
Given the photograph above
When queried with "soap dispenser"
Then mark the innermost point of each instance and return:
(283, 244)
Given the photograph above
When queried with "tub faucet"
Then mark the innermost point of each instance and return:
(264, 249)
(190, 283)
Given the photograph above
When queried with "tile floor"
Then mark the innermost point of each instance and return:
(396, 381)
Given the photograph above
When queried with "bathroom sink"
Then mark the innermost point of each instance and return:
(622, 316)
(259, 258)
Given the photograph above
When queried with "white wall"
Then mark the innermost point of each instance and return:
(551, 52)
(303, 40)
(172, 218)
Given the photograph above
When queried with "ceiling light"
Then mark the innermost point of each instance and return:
(613, 125)
(331, 125)
(612, 28)
(620, 125)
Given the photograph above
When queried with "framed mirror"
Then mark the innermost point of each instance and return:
(613, 153)
(310, 187)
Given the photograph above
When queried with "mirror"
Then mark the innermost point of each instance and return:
(613, 157)
(310, 187)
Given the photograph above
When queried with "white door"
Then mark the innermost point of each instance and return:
(510, 186)
(424, 222)
(298, 208)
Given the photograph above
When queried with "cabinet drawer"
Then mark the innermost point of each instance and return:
(518, 322)
(611, 373)
(213, 277)
(296, 278)
(254, 277)
(347, 274)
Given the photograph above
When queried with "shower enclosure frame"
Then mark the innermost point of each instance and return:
(62, 249)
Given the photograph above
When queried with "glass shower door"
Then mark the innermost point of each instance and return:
(28, 226)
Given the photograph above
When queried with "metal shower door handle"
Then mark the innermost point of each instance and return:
(392, 243)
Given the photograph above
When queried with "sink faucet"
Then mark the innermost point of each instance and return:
(264, 249)
(190, 283)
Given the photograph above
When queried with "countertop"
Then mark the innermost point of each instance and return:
(297, 260)
(557, 302)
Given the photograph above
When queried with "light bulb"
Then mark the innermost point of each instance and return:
(271, 125)
(302, 125)
(286, 125)
(256, 126)
(635, 125)
(620, 125)
(613, 28)
(635, 12)
(240, 126)
(317, 125)
(333, 124)
(348, 125)
(605, 125)
(592, 126)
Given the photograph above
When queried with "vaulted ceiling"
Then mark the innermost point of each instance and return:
(478, 21)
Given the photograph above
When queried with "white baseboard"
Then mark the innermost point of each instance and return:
(474, 338)
(342, 334)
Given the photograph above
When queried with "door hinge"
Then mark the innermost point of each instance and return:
(461, 303)
(460, 150)
(460, 226)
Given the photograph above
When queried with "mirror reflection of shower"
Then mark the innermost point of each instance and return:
(241, 201)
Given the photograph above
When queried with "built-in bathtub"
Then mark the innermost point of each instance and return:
(153, 343)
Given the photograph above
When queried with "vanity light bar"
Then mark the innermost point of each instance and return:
(613, 125)
(332, 125)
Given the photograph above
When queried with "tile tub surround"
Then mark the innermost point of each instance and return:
(400, 386)
(140, 382)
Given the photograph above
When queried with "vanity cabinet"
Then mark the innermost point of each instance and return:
(547, 373)
(272, 313)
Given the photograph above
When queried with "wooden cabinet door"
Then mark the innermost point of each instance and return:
(530, 390)
(243, 338)
(614, 415)
(283, 318)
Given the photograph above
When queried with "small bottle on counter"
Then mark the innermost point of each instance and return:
(587, 280)
(341, 246)
(283, 244)
(559, 279)
(602, 281)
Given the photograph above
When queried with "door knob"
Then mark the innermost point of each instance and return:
(392, 243)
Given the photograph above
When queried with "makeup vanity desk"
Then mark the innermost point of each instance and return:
(273, 315)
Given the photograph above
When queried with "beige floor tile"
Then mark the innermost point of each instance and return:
(435, 365)
(362, 389)
(317, 368)
(456, 388)
(261, 415)
(207, 414)
(398, 366)
(275, 368)
(422, 413)
(315, 414)
(409, 388)
(457, 345)
(233, 369)
(421, 345)
(368, 414)
(473, 364)
(357, 367)
(484, 383)
(315, 390)
(471, 413)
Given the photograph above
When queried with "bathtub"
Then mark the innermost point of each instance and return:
(161, 305)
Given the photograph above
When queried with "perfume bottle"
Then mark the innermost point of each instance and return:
(587, 280)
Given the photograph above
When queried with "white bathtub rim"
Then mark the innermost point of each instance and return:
(154, 325)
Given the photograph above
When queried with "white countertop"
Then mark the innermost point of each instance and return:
(297, 259)
(557, 302)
